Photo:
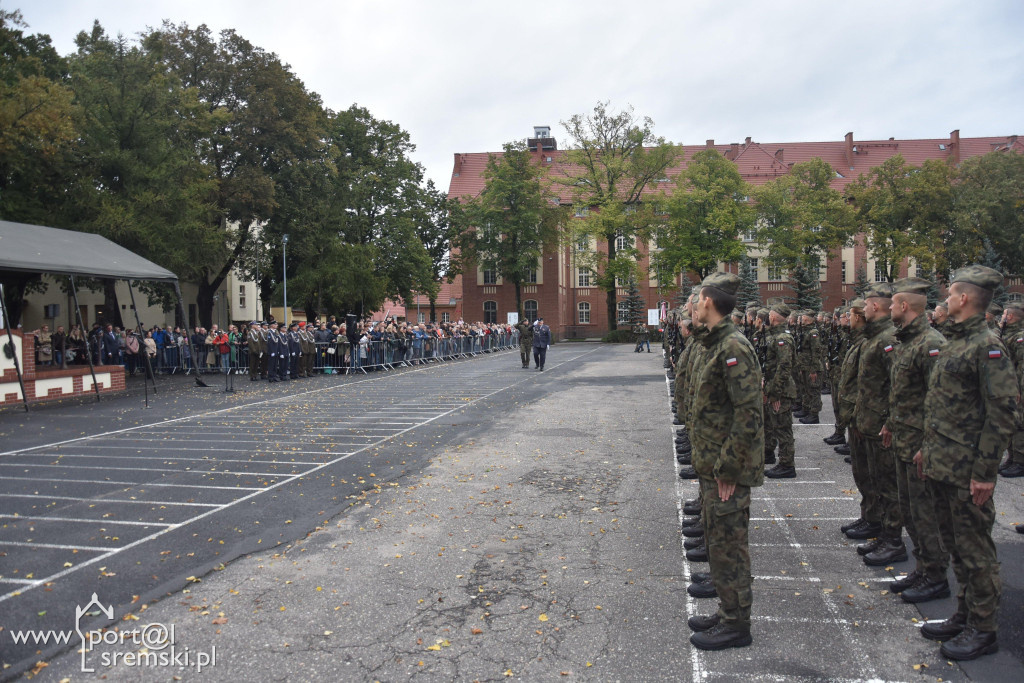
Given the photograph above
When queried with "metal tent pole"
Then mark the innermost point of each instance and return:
(142, 348)
(188, 337)
(14, 354)
(88, 351)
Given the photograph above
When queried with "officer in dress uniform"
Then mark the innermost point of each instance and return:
(294, 351)
(265, 360)
(275, 351)
(256, 351)
(969, 413)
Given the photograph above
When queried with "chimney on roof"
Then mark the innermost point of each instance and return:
(709, 144)
(849, 149)
(778, 155)
(954, 146)
(541, 140)
(734, 151)
(458, 165)
(746, 143)
(1011, 141)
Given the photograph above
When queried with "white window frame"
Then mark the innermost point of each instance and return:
(583, 312)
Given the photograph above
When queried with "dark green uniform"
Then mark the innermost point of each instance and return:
(969, 416)
(809, 369)
(1013, 340)
(870, 509)
(780, 356)
(257, 349)
(525, 341)
(728, 445)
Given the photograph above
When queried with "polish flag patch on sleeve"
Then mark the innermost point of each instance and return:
(995, 353)
(782, 343)
(933, 352)
(887, 348)
(731, 362)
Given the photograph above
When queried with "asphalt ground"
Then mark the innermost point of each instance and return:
(472, 521)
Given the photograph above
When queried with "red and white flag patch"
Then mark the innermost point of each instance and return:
(731, 362)
(995, 353)
(887, 348)
(933, 352)
(782, 343)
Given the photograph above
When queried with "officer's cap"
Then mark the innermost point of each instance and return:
(858, 304)
(911, 285)
(782, 309)
(881, 290)
(725, 282)
(979, 276)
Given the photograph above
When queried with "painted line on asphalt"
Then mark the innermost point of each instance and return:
(55, 546)
(167, 457)
(108, 500)
(135, 483)
(81, 520)
(155, 469)
(170, 527)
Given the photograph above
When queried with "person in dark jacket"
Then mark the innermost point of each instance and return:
(541, 342)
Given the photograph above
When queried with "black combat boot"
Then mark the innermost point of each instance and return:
(705, 589)
(691, 507)
(867, 530)
(693, 521)
(809, 419)
(843, 449)
(836, 439)
(695, 542)
(1012, 470)
(797, 414)
(700, 577)
(908, 581)
(694, 531)
(889, 551)
(944, 630)
(683, 459)
(925, 591)
(853, 525)
(970, 644)
(688, 473)
(698, 554)
(781, 471)
(869, 547)
(769, 458)
(684, 448)
(721, 637)
(703, 623)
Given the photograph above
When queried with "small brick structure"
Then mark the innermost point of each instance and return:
(45, 383)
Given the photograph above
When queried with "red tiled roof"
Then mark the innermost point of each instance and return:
(758, 162)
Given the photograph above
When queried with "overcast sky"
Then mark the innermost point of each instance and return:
(469, 75)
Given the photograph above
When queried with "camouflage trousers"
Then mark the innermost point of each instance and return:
(967, 534)
(810, 392)
(778, 431)
(1016, 450)
(254, 364)
(524, 354)
(870, 507)
(917, 505)
(725, 533)
(834, 395)
(679, 394)
(882, 472)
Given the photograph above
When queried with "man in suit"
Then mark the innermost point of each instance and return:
(541, 342)
(110, 348)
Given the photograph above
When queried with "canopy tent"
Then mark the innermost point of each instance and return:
(39, 249)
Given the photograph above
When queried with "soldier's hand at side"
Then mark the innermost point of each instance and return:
(886, 437)
(776, 404)
(814, 377)
(919, 461)
(980, 493)
(725, 489)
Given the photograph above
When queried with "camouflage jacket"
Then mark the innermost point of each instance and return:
(918, 348)
(779, 365)
(809, 358)
(874, 369)
(848, 378)
(1013, 340)
(970, 408)
(728, 422)
(694, 363)
(525, 333)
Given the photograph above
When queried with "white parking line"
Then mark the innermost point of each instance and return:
(164, 457)
(157, 469)
(80, 520)
(108, 500)
(56, 546)
(135, 483)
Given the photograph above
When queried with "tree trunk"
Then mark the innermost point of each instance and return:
(433, 311)
(519, 298)
(204, 303)
(110, 306)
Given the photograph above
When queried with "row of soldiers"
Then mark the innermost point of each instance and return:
(930, 402)
(277, 354)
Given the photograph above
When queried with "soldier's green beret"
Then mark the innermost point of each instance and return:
(725, 282)
(1017, 306)
(782, 309)
(911, 285)
(762, 312)
(753, 305)
(979, 276)
(942, 305)
(881, 290)
(738, 312)
(995, 309)
(858, 303)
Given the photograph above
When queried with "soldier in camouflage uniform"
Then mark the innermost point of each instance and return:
(940, 319)
(1013, 339)
(918, 348)
(993, 315)
(871, 414)
(839, 344)
(728, 436)
(779, 393)
(970, 413)
(809, 370)
(525, 342)
(694, 362)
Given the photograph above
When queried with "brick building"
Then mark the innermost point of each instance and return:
(573, 307)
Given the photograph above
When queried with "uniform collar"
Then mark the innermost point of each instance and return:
(722, 329)
(973, 324)
(876, 327)
(917, 326)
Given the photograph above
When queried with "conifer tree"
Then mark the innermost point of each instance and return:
(990, 258)
(635, 304)
(749, 290)
(806, 288)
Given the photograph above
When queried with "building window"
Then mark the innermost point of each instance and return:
(623, 316)
(490, 312)
(531, 276)
(490, 276)
(775, 273)
(753, 266)
(530, 310)
(1015, 296)
(241, 301)
(421, 317)
(584, 313)
(582, 243)
(844, 272)
(880, 274)
(445, 317)
(919, 270)
(583, 278)
(582, 212)
(750, 235)
(621, 243)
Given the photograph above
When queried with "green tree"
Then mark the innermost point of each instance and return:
(706, 216)
(434, 230)
(801, 217)
(635, 304)
(612, 160)
(749, 291)
(990, 257)
(861, 283)
(989, 203)
(509, 225)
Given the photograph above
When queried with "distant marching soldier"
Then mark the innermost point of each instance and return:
(256, 351)
(525, 342)
(810, 370)
(969, 414)
(779, 394)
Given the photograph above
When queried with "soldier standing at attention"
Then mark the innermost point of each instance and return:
(809, 370)
(1013, 339)
(870, 416)
(940, 318)
(969, 416)
(918, 348)
(728, 443)
(256, 351)
(779, 393)
(839, 344)
(541, 342)
(525, 342)
(993, 315)
(274, 352)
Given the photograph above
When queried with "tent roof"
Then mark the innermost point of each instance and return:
(38, 249)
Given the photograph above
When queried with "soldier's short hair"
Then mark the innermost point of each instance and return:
(720, 299)
(979, 296)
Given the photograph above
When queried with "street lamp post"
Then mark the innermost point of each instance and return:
(284, 259)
